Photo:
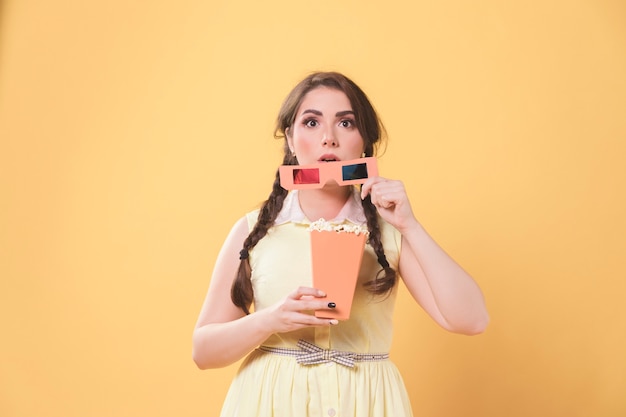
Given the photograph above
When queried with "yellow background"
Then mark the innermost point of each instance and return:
(134, 133)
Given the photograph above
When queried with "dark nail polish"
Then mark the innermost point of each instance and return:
(332, 305)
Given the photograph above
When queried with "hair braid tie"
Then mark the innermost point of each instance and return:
(243, 254)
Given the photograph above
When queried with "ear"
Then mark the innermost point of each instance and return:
(289, 140)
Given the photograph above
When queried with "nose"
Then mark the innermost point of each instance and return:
(328, 139)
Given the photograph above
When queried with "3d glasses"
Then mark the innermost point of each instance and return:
(301, 177)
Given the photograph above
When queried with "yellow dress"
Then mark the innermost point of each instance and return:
(274, 385)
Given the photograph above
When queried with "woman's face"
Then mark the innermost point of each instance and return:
(324, 128)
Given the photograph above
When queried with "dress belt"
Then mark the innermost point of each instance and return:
(310, 354)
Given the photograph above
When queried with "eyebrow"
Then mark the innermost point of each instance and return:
(338, 114)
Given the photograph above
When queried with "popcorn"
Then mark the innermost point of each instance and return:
(323, 225)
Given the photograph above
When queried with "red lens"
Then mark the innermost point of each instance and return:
(306, 176)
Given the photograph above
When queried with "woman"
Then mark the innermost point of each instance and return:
(327, 117)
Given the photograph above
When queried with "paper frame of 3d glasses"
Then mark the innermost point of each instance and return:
(302, 177)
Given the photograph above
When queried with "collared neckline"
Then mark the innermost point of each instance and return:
(352, 210)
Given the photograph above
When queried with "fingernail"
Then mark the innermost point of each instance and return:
(334, 322)
(332, 305)
(321, 293)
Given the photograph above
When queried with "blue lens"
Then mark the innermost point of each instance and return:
(354, 172)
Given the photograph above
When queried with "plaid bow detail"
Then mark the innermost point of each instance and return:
(312, 354)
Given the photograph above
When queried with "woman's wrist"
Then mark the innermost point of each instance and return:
(262, 323)
(412, 226)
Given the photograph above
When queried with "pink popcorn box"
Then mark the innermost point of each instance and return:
(336, 260)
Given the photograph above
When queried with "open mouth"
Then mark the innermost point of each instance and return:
(328, 158)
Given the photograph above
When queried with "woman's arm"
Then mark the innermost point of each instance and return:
(445, 291)
(224, 333)
(440, 285)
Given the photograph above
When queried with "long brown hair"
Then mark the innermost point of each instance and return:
(373, 133)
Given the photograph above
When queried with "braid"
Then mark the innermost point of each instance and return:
(241, 291)
(380, 284)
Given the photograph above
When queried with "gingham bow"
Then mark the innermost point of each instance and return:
(313, 354)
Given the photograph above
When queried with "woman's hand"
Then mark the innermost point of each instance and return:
(296, 311)
(390, 199)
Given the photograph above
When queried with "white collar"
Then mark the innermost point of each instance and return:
(352, 211)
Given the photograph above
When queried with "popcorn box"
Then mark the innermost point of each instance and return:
(336, 260)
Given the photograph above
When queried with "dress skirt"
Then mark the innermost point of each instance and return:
(271, 385)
